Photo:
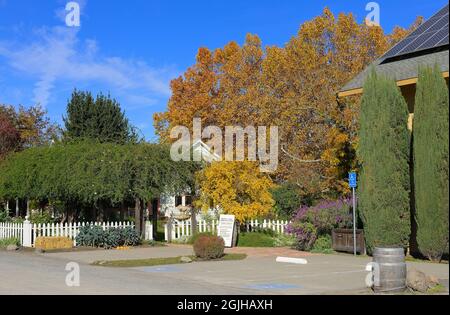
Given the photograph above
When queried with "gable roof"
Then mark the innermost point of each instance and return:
(426, 46)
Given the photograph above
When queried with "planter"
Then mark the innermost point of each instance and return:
(342, 241)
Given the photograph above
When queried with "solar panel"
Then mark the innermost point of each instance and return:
(431, 34)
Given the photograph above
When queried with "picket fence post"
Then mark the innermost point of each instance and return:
(27, 233)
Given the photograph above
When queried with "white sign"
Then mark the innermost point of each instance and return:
(226, 229)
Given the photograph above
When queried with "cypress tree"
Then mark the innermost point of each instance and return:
(101, 119)
(431, 163)
(384, 154)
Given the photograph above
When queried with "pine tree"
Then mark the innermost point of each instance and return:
(101, 119)
(384, 154)
(431, 163)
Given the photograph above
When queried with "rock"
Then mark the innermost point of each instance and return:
(186, 260)
(12, 248)
(417, 281)
(432, 281)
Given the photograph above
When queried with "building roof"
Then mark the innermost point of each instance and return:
(427, 46)
(405, 70)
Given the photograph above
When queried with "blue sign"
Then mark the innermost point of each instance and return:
(353, 180)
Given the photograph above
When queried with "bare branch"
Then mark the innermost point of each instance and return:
(299, 159)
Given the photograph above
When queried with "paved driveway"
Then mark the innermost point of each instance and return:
(30, 273)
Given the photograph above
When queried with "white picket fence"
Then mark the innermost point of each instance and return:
(182, 229)
(28, 233)
(11, 230)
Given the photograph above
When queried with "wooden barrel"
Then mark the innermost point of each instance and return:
(391, 269)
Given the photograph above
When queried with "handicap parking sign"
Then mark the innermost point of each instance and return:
(353, 180)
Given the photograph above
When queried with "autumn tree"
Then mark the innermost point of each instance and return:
(32, 123)
(293, 87)
(237, 188)
(9, 136)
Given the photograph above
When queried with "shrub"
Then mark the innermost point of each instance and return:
(4, 216)
(41, 218)
(305, 234)
(323, 245)
(196, 236)
(94, 236)
(431, 163)
(309, 224)
(255, 239)
(131, 237)
(284, 240)
(209, 247)
(384, 154)
(287, 200)
(9, 241)
(113, 238)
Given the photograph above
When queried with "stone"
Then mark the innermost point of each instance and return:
(432, 281)
(186, 260)
(417, 281)
(12, 248)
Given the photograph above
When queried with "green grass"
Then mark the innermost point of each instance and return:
(9, 241)
(160, 261)
(437, 289)
(255, 239)
(413, 259)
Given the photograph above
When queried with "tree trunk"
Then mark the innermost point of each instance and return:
(28, 208)
(235, 234)
(155, 205)
(17, 208)
(138, 216)
(193, 221)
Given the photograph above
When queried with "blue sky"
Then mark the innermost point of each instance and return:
(132, 49)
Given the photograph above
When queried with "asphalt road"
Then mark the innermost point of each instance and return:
(30, 273)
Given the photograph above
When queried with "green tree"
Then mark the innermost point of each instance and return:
(99, 118)
(287, 200)
(93, 176)
(384, 154)
(431, 163)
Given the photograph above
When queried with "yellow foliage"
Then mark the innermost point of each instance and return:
(237, 188)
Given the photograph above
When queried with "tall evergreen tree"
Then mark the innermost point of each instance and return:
(100, 118)
(384, 154)
(431, 163)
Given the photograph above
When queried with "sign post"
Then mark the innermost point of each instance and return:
(226, 229)
(353, 182)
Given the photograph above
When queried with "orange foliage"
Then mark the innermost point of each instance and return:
(293, 87)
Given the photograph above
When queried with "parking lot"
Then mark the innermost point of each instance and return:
(31, 273)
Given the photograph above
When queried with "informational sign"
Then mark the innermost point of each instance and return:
(353, 180)
(226, 229)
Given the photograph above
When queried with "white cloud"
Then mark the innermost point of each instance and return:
(58, 54)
